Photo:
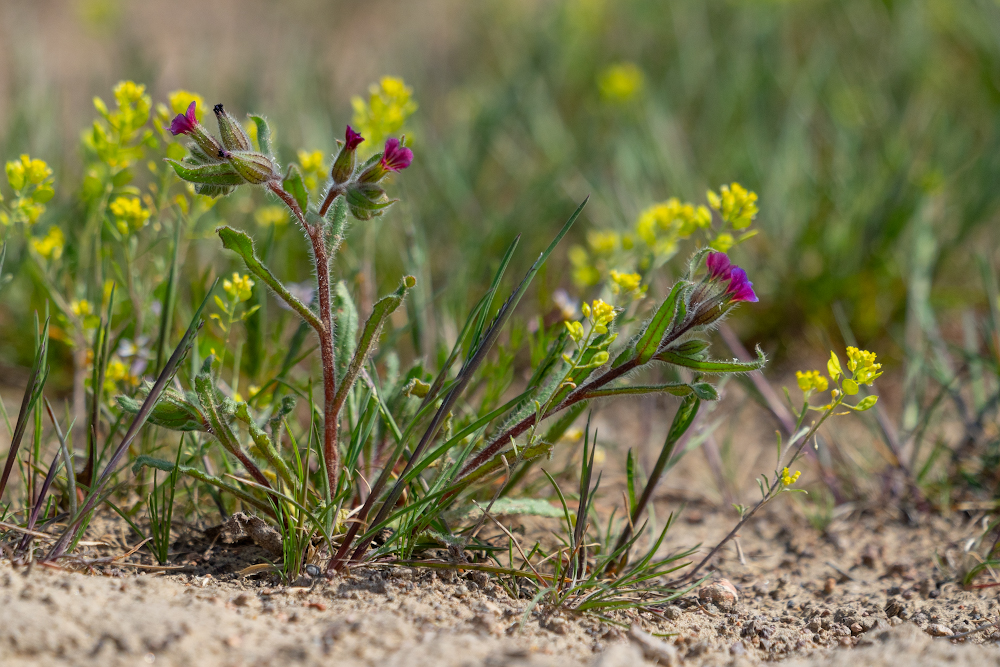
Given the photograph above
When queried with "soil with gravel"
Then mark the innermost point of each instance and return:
(872, 589)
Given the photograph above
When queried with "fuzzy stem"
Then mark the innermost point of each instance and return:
(331, 455)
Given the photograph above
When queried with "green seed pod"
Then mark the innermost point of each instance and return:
(234, 137)
(255, 168)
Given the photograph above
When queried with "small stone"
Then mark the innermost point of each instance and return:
(829, 585)
(721, 593)
(939, 630)
(654, 649)
(893, 608)
(895, 620)
(856, 629)
(673, 612)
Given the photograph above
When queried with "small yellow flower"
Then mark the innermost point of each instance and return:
(180, 100)
(624, 282)
(575, 330)
(862, 364)
(386, 111)
(736, 205)
(129, 213)
(310, 160)
(811, 380)
(620, 83)
(787, 478)
(130, 92)
(27, 171)
(51, 245)
(603, 243)
(600, 314)
(271, 215)
(81, 308)
(723, 242)
(584, 272)
(239, 288)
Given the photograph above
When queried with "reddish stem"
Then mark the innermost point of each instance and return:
(331, 455)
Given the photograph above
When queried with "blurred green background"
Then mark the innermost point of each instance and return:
(869, 128)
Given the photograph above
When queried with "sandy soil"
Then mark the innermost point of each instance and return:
(810, 598)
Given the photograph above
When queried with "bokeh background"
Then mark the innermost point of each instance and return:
(869, 128)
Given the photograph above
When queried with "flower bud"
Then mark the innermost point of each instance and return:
(234, 137)
(343, 166)
(367, 200)
(187, 123)
(255, 168)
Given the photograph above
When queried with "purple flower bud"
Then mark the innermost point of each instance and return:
(740, 287)
(396, 156)
(183, 123)
(352, 139)
(343, 165)
(719, 266)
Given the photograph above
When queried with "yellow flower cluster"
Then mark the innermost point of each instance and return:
(271, 215)
(117, 372)
(575, 331)
(662, 225)
(313, 170)
(81, 308)
(624, 282)
(51, 245)
(389, 105)
(239, 288)
(811, 380)
(862, 364)
(27, 171)
(736, 205)
(600, 314)
(620, 83)
(130, 214)
(118, 141)
(787, 478)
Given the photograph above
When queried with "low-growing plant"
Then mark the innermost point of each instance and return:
(373, 462)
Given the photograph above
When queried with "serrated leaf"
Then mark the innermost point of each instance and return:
(711, 365)
(293, 185)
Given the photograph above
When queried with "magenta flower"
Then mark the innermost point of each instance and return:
(719, 266)
(352, 139)
(183, 123)
(740, 287)
(396, 156)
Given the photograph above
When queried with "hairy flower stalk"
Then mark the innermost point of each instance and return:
(218, 167)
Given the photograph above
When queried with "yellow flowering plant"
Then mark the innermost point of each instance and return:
(862, 370)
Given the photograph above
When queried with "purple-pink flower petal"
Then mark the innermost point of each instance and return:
(396, 156)
(719, 266)
(184, 122)
(352, 138)
(740, 287)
